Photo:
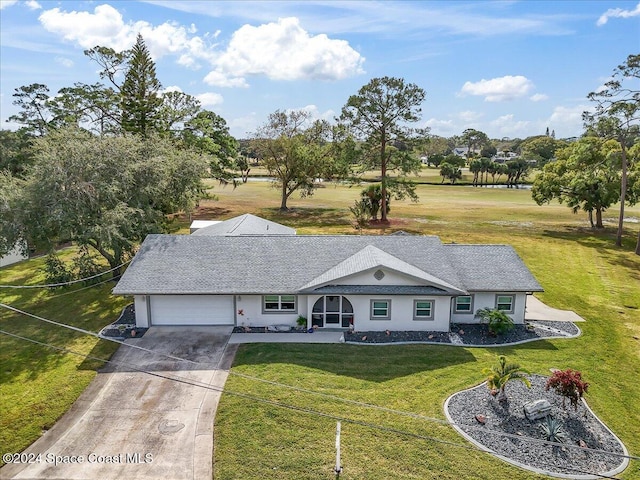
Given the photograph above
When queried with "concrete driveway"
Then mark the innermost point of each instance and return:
(133, 425)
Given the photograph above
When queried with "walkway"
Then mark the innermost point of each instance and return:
(536, 310)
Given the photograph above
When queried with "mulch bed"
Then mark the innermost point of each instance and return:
(581, 427)
(467, 334)
(124, 326)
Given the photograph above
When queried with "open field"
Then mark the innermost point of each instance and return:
(580, 269)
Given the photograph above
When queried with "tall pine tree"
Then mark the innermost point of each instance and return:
(141, 103)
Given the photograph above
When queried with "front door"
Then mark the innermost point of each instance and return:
(332, 311)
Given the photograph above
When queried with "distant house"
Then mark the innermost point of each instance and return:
(461, 151)
(14, 256)
(369, 283)
(246, 224)
(198, 224)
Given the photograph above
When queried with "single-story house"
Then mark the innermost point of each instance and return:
(246, 224)
(198, 224)
(369, 283)
(17, 254)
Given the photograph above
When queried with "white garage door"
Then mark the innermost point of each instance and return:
(191, 310)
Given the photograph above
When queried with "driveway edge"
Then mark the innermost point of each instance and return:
(51, 436)
(203, 442)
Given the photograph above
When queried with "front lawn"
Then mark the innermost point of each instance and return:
(579, 269)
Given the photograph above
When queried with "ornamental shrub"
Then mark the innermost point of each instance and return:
(498, 321)
(569, 384)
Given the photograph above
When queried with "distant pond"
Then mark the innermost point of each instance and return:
(516, 187)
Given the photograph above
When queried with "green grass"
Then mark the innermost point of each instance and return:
(39, 384)
(580, 270)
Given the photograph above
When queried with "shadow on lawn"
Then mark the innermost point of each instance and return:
(370, 363)
(88, 309)
(306, 217)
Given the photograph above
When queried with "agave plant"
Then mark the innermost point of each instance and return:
(502, 373)
(552, 429)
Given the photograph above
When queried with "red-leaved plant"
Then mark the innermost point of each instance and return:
(569, 384)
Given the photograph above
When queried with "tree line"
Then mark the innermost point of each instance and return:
(105, 164)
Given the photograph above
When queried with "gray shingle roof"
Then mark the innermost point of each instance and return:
(491, 267)
(246, 224)
(203, 264)
(370, 258)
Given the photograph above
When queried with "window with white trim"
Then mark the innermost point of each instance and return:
(380, 309)
(505, 303)
(464, 304)
(423, 309)
(278, 303)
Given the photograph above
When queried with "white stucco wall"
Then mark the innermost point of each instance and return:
(14, 256)
(488, 300)
(401, 313)
(142, 312)
(253, 316)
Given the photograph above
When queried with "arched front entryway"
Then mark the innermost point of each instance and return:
(332, 311)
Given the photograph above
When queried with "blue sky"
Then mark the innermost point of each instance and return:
(508, 68)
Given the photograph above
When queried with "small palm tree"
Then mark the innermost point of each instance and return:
(502, 373)
(498, 321)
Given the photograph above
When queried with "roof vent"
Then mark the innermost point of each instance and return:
(379, 275)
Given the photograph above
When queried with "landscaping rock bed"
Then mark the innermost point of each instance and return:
(124, 326)
(464, 334)
(581, 427)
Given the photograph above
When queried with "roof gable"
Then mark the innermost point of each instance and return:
(370, 258)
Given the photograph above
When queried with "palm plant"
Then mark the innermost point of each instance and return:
(498, 321)
(502, 373)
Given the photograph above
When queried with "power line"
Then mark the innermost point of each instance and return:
(93, 334)
(71, 282)
(285, 405)
(342, 399)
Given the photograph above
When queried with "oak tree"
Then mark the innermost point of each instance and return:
(103, 193)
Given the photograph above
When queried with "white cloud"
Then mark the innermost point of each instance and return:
(65, 62)
(315, 113)
(280, 50)
(210, 99)
(506, 125)
(469, 116)
(33, 5)
(567, 121)
(7, 3)
(243, 127)
(106, 27)
(285, 51)
(444, 128)
(539, 97)
(499, 89)
(171, 88)
(618, 13)
(219, 79)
